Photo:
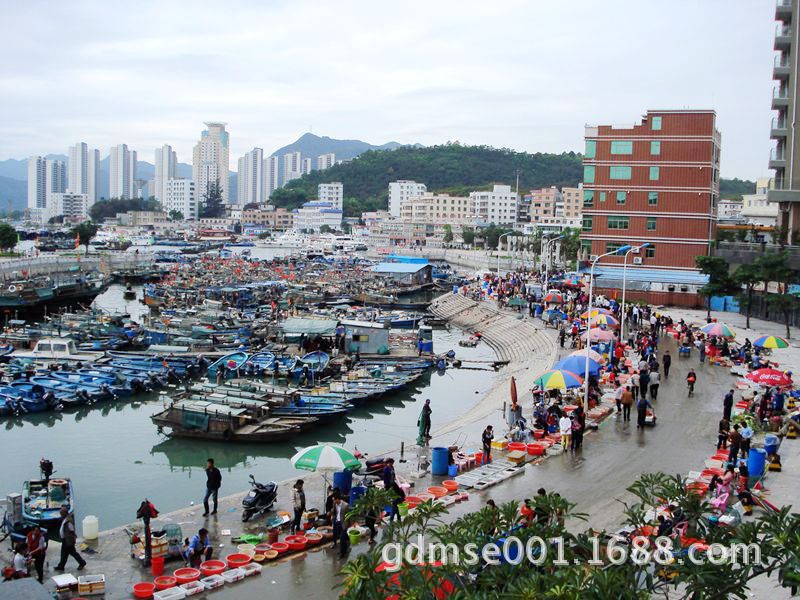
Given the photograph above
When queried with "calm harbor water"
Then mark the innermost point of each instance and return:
(116, 457)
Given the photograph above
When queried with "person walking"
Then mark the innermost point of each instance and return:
(578, 425)
(298, 503)
(68, 540)
(425, 419)
(339, 519)
(486, 439)
(37, 549)
(666, 360)
(747, 435)
(702, 352)
(390, 484)
(565, 425)
(634, 385)
(727, 405)
(691, 379)
(655, 381)
(644, 382)
(641, 412)
(627, 402)
(213, 483)
(735, 442)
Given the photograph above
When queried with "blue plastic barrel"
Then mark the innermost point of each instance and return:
(439, 458)
(771, 443)
(452, 470)
(756, 461)
(356, 492)
(344, 481)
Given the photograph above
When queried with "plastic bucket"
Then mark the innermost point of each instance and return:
(344, 481)
(355, 535)
(452, 470)
(755, 462)
(272, 535)
(157, 566)
(402, 508)
(91, 527)
(771, 443)
(439, 457)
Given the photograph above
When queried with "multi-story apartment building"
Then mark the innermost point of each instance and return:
(498, 206)
(122, 172)
(250, 180)
(326, 161)
(756, 208)
(307, 166)
(542, 203)
(785, 156)
(37, 182)
(271, 176)
(656, 181)
(572, 199)
(181, 196)
(73, 207)
(438, 209)
(46, 178)
(211, 160)
(292, 166)
(313, 215)
(331, 192)
(402, 190)
(166, 167)
(83, 171)
(270, 218)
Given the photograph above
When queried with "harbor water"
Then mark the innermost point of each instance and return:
(116, 457)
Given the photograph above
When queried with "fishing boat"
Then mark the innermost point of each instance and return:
(315, 361)
(261, 360)
(230, 363)
(42, 501)
(99, 384)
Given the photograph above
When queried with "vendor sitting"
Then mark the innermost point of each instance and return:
(198, 549)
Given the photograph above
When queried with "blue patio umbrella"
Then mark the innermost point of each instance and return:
(577, 364)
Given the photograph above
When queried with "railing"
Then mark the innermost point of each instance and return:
(781, 93)
(784, 3)
(778, 123)
(781, 60)
(783, 31)
(777, 154)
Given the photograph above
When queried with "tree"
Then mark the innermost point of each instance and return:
(325, 228)
(448, 234)
(785, 304)
(719, 283)
(468, 235)
(8, 236)
(109, 209)
(565, 571)
(85, 232)
(571, 242)
(211, 206)
(175, 215)
(747, 276)
(57, 220)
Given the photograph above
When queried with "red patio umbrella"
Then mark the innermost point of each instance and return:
(770, 377)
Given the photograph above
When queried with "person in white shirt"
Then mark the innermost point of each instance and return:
(618, 397)
(565, 425)
(20, 560)
(655, 380)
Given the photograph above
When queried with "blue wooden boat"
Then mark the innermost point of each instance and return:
(405, 322)
(145, 357)
(66, 387)
(230, 363)
(6, 349)
(42, 501)
(29, 397)
(261, 360)
(315, 361)
(308, 410)
(92, 382)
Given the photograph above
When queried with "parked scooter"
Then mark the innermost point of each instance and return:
(259, 499)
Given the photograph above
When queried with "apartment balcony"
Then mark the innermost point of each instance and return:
(783, 37)
(780, 98)
(778, 130)
(777, 159)
(783, 10)
(782, 67)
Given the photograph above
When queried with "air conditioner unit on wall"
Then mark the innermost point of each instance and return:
(637, 260)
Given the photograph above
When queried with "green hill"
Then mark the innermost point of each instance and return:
(451, 168)
(734, 188)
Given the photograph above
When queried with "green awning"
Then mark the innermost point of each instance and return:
(298, 326)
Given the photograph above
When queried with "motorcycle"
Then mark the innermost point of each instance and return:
(259, 499)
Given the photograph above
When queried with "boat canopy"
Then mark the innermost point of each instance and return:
(298, 326)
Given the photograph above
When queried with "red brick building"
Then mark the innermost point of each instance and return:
(656, 182)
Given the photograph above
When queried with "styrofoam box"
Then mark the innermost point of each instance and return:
(251, 569)
(212, 582)
(193, 587)
(173, 593)
(233, 575)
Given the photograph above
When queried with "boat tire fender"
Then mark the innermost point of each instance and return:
(227, 435)
(12, 288)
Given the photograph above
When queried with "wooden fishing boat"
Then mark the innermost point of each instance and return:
(230, 363)
(42, 500)
(315, 361)
(261, 360)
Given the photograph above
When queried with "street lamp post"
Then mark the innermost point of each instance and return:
(546, 243)
(618, 251)
(635, 250)
(498, 249)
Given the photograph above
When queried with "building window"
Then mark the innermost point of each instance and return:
(652, 198)
(654, 173)
(588, 198)
(591, 147)
(651, 223)
(587, 223)
(656, 124)
(586, 247)
(602, 196)
(619, 172)
(588, 174)
(655, 148)
(650, 252)
(617, 222)
(620, 147)
(613, 246)
(621, 197)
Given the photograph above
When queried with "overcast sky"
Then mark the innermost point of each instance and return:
(520, 74)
